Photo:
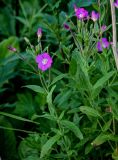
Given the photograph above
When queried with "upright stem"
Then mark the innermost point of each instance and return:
(114, 33)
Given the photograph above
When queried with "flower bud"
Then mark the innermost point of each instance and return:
(39, 33)
(12, 49)
(66, 26)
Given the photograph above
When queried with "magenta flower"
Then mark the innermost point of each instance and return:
(44, 61)
(95, 16)
(80, 13)
(105, 43)
(102, 44)
(66, 26)
(12, 49)
(116, 4)
(39, 33)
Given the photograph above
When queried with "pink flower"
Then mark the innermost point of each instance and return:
(80, 13)
(95, 16)
(44, 61)
(39, 33)
(105, 43)
(102, 44)
(116, 4)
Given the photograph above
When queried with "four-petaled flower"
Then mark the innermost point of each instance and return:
(102, 44)
(116, 4)
(95, 16)
(81, 13)
(44, 61)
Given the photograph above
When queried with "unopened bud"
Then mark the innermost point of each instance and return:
(66, 26)
(12, 49)
(39, 33)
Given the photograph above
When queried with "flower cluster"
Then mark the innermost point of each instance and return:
(83, 14)
(44, 61)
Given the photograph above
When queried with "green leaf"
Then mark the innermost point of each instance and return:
(48, 145)
(22, 20)
(115, 154)
(17, 117)
(7, 68)
(47, 116)
(90, 111)
(49, 101)
(73, 67)
(107, 125)
(58, 78)
(103, 137)
(36, 88)
(29, 147)
(24, 105)
(103, 80)
(71, 126)
(7, 140)
(63, 97)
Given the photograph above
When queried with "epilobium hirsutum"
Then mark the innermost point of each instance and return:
(80, 13)
(44, 61)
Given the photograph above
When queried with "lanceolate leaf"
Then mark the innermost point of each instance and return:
(90, 111)
(71, 126)
(58, 78)
(48, 145)
(103, 80)
(17, 117)
(49, 101)
(36, 88)
(103, 137)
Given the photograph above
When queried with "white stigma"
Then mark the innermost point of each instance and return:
(81, 15)
(44, 61)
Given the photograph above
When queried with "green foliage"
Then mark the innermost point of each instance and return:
(7, 140)
(71, 126)
(48, 145)
(70, 111)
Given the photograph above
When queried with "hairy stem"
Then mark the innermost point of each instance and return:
(114, 33)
